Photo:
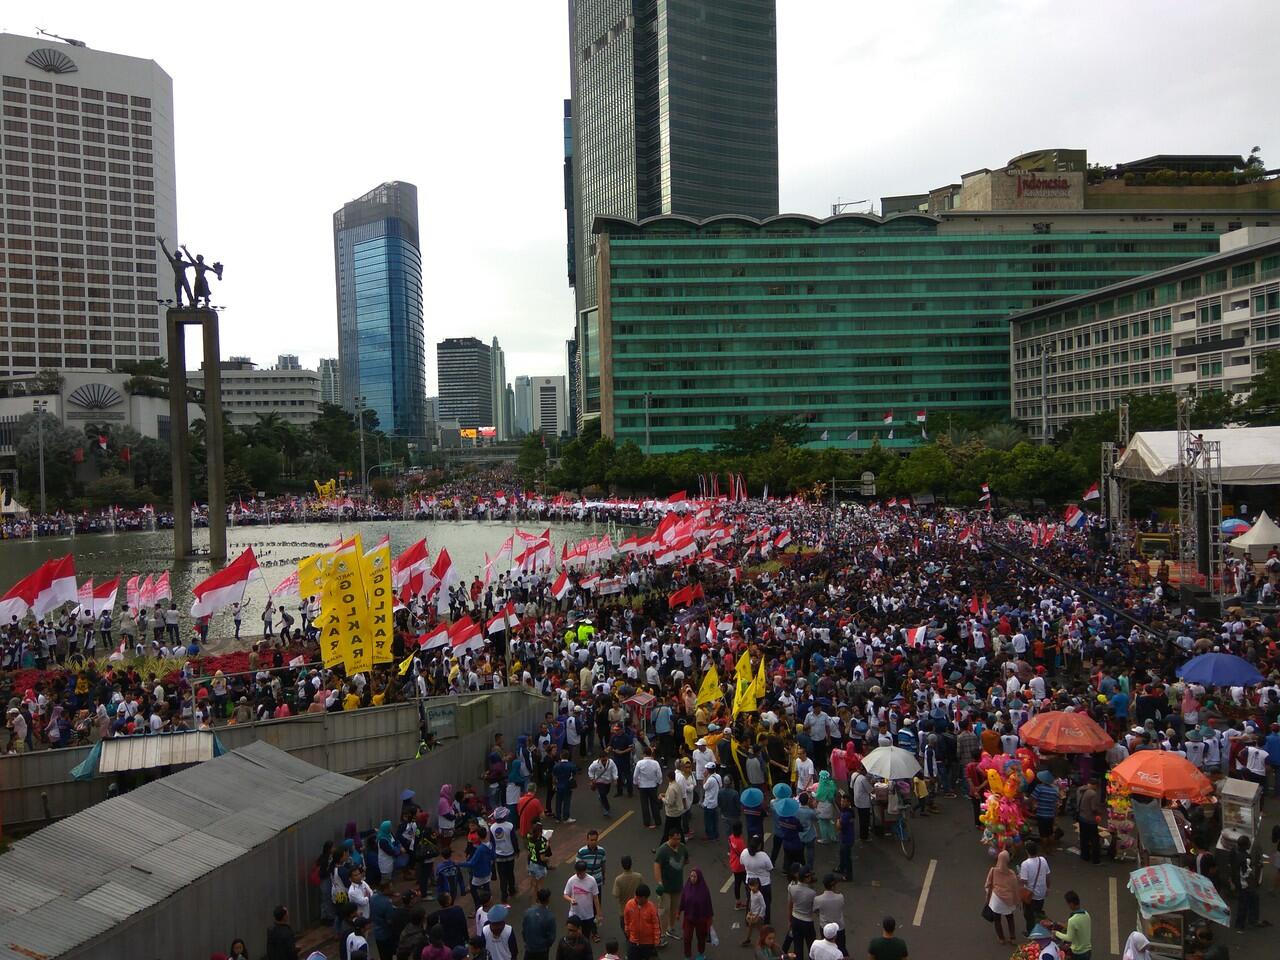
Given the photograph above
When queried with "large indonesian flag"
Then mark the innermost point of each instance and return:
(442, 577)
(288, 587)
(52, 584)
(160, 590)
(104, 596)
(465, 637)
(439, 637)
(225, 587)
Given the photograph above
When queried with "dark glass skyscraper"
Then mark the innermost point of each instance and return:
(381, 343)
(675, 111)
(464, 371)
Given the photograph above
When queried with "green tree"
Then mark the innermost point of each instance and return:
(60, 459)
(1001, 436)
(114, 489)
(757, 436)
(627, 472)
(1213, 409)
(261, 465)
(48, 381)
(927, 469)
(1261, 407)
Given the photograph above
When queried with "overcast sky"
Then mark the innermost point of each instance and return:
(285, 110)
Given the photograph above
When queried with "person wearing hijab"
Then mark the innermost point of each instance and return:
(826, 807)
(1002, 895)
(1137, 947)
(53, 731)
(695, 912)
(446, 812)
(388, 849)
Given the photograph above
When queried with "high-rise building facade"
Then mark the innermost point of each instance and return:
(290, 393)
(330, 381)
(381, 342)
(847, 321)
(575, 381)
(464, 370)
(498, 384)
(550, 410)
(1200, 326)
(288, 361)
(674, 111)
(522, 388)
(89, 185)
(571, 253)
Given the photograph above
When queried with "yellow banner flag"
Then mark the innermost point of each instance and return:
(344, 612)
(312, 572)
(406, 663)
(743, 667)
(710, 692)
(745, 700)
(376, 573)
(759, 688)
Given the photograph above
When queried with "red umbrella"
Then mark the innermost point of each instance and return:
(1060, 731)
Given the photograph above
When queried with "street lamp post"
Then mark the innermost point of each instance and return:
(40, 406)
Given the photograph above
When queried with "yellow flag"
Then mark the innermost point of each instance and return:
(759, 688)
(709, 692)
(745, 701)
(376, 572)
(743, 667)
(311, 574)
(406, 663)
(344, 612)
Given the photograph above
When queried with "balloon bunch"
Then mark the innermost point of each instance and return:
(1002, 814)
(1120, 814)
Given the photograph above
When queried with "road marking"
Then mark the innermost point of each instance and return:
(603, 833)
(1115, 917)
(727, 885)
(924, 893)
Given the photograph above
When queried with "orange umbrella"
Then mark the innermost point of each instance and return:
(1158, 773)
(1059, 731)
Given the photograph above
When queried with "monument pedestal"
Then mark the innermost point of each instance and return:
(176, 320)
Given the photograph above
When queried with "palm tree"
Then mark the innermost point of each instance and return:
(1001, 436)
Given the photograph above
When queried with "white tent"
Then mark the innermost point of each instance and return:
(12, 508)
(1250, 455)
(1261, 538)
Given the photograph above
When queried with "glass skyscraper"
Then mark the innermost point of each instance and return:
(674, 111)
(381, 342)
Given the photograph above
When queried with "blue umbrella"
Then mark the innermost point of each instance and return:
(1220, 670)
(1235, 525)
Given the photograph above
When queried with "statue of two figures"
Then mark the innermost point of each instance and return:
(181, 265)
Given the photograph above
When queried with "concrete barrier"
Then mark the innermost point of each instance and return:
(36, 788)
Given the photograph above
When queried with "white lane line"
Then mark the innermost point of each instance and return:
(924, 894)
(727, 885)
(1115, 917)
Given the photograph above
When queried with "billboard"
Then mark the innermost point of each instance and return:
(489, 432)
(467, 433)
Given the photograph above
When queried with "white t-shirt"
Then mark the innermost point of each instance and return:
(1034, 874)
(498, 947)
(804, 774)
(825, 950)
(757, 865)
(583, 890)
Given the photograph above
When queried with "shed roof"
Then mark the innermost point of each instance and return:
(77, 878)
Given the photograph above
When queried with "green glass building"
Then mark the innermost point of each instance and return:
(841, 321)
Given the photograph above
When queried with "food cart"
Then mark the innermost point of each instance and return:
(1170, 899)
(641, 704)
(1241, 802)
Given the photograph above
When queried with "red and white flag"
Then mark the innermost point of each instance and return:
(589, 582)
(986, 494)
(132, 595)
(465, 637)
(509, 611)
(922, 416)
(442, 577)
(560, 589)
(1074, 517)
(496, 624)
(782, 540)
(288, 587)
(54, 585)
(917, 636)
(84, 596)
(225, 587)
(888, 418)
(439, 637)
(1093, 493)
(161, 591)
(104, 596)
(409, 570)
(147, 593)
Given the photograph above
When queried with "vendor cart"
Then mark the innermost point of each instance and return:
(1172, 903)
(1241, 802)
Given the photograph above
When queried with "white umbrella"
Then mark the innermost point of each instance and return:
(891, 763)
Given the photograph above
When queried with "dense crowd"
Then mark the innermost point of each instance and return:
(929, 632)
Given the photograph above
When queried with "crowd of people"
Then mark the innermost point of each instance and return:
(926, 631)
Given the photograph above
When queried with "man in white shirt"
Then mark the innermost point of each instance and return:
(647, 777)
(582, 893)
(711, 803)
(702, 756)
(759, 867)
(804, 770)
(826, 948)
(603, 774)
(359, 893)
(1034, 874)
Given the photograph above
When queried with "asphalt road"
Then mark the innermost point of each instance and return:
(936, 897)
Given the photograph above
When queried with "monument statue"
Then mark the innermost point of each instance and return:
(180, 283)
(181, 266)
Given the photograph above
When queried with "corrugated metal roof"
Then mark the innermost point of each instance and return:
(144, 753)
(76, 879)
